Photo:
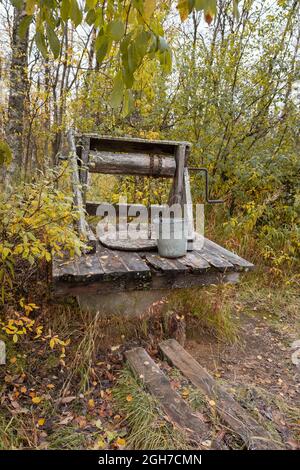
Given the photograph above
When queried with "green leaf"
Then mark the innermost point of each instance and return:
(65, 9)
(53, 41)
(75, 13)
(116, 30)
(200, 4)
(165, 59)
(102, 46)
(17, 3)
(127, 77)
(90, 17)
(5, 153)
(90, 4)
(41, 43)
(162, 44)
(117, 91)
(128, 103)
(24, 25)
(236, 12)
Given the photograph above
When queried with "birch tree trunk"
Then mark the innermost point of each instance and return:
(17, 95)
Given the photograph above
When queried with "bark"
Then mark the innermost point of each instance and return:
(17, 95)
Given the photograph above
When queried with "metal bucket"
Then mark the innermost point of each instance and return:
(171, 237)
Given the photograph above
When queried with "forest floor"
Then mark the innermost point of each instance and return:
(45, 404)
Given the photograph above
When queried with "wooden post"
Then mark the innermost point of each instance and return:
(82, 226)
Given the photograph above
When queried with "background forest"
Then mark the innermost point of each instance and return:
(223, 75)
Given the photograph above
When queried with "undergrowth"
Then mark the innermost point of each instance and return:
(148, 427)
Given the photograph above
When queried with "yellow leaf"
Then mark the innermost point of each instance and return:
(185, 393)
(52, 343)
(50, 386)
(36, 400)
(100, 444)
(13, 360)
(183, 8)
(129, 398)
(91, 403)
(121, 442)
(149, 8)
(23, 389)
(212, 403)
(15, 338)
(41, 421)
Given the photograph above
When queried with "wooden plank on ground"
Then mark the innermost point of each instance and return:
(232, 413)
(159, 385)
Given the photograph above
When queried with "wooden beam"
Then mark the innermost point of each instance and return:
(157, 383)
(231, 412)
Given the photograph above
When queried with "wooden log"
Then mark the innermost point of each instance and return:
(131, 163)
(231, 412)
(159, 386)
(84, 230)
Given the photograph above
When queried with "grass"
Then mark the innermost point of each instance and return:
(250, 396)
(207, 310)
(148, 427)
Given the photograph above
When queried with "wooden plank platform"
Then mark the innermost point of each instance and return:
(157, 383)
(110, 270)
(231, 412)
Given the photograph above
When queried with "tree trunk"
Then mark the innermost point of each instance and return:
(17, 95)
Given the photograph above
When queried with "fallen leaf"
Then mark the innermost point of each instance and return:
(65, 400)
(23, 389)
(13, 360)
(129, 398)
(66, 420)
(212, 403)
(91, 403)
(41, 421)
(50, 386)
(121, 442)
(36, 400)
(185, 393)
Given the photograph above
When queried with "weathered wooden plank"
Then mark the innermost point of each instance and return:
(158, 281)
(83, 173)
(159, 385)
(229, 255)
(165, 265)
(176, 195)
(135, 264)
(132, 144)
(233, 414)
(89, 268)
(111, 263)
(78, 201)
(215, 260)
(195, 261)
(188, 204)
(92, 206)
(64, 270)
(131, 163)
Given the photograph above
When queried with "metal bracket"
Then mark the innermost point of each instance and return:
(205, 171)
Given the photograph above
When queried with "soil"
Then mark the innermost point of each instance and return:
(261, 357)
